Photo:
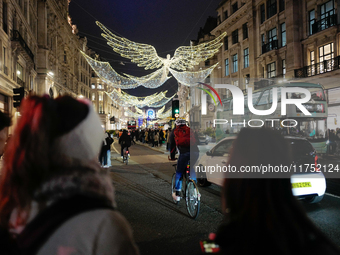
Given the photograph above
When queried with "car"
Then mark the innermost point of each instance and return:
(203, 139)
(308, 186)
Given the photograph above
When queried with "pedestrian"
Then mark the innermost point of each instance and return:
(125, 142)
(168, 139)
(54, 197)
(261, 215)
(5, 122)
(156, 139)
(109, 141)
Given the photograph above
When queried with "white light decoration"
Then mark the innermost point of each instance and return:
(161, 110)
(156, 100)
(190, 78)
(144, 55)
(166, 114)
(108, 75)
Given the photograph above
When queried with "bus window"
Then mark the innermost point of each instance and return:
(313, 129)
(264, 98)
(226, 106)
(256, 97)
(231, 105)
(278, 95)
(316, 94)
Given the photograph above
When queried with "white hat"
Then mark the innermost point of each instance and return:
(84, 141)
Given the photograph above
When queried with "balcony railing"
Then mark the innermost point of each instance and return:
(318, 68)
(269, 46)
(16, 36)
(20, 82)
(324, 23)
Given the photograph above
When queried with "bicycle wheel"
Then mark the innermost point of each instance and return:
(192, 199)
(173, 182)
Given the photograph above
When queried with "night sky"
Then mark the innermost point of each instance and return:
(165, 25)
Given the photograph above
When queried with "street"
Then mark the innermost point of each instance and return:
(160, 227)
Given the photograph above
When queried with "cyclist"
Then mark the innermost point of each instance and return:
(125, 142)
(186, 143)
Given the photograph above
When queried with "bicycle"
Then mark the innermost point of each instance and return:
(189, 192)
(125, 156)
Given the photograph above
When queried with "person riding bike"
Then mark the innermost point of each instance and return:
(125, 142)
(186, 143)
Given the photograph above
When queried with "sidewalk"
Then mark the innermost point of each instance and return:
(161, 148)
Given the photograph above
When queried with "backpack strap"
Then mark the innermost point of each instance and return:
(38, 231)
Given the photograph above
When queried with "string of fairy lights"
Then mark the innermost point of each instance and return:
(144, 55)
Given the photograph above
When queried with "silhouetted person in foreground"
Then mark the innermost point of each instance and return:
(261, 215)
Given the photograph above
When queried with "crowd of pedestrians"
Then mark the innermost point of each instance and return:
(333, 147)
(56, 199)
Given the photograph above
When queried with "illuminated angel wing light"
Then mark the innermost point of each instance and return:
(144, 55)
(108, 75)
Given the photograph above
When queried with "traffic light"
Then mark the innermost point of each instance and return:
(18, 95)
(175, 108)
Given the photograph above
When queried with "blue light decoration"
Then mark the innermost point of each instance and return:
(150, 113)
(140, 121)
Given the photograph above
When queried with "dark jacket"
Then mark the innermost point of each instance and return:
(125, 140)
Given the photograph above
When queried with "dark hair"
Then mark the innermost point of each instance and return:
(29, 159)
(5, 120)
(262, 214)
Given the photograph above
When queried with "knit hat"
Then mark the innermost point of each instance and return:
(83, 141)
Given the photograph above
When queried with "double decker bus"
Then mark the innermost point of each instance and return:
(294, 123)
(131, 125)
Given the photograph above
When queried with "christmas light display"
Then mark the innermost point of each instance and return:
(189, 78)
(161, 110)
(108, 75)
(144, 55)
(164, 115)
(124, 99)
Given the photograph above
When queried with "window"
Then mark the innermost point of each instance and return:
(99, 86)
(223, 148)
(226, 43)
(227, 67)
(284, 68)
(311, 21)
(207, 62)
(271, 70)
(225, 14)
(264, 98)
(263, 39)
(234, 35)
(20, 70)
(65, 57)
(283, 34)
(272, 39)
(263, 13)
(282, 5)
(312, 58)
(4, 17)
(271, 8)
(234, 7)
(93, 86)
(245, 30)
(93, 96)
(326, 52)
(100, 96)
(246, 57)
(326, 10)
(235, 63)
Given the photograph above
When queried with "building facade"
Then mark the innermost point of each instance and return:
(40, 51)
(282, 40)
